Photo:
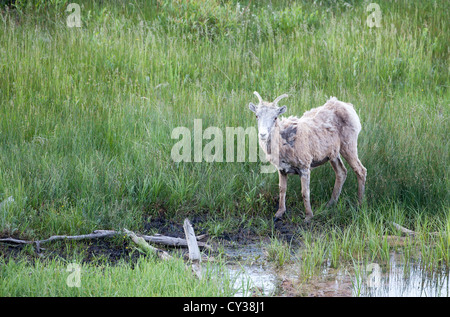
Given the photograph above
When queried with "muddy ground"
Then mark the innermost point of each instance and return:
(283, 229)
(112, 250)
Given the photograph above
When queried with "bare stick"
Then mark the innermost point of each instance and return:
(147, 248)
(171, 241)
(409, 232)
(95, 235)
(15, 241)
(403, 229)
(158, 239)
(140, 241)
(194, 252)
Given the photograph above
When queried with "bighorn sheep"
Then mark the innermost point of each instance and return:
(297, 145)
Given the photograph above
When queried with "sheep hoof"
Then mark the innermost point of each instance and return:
(278, 215)
(308, 219)
(276, 219)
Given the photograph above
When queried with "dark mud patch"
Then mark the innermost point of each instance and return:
(165, 226)
(236, 233)
(111, 250)
(92, 251)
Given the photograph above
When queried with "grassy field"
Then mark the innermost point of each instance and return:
(147, 277)
(86, 114)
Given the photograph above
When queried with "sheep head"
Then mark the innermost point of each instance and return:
(267, 114)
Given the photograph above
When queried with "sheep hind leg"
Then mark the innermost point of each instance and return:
(350, 154)
(305, 175)
(341, 175)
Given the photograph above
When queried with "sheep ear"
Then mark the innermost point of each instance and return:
(252, 107)
(282, 110)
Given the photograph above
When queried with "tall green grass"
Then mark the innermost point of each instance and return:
(367, 239)
(86, 113)
(147, 277)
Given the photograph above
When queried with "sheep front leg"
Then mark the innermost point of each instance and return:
(282, 203)
(305, 194)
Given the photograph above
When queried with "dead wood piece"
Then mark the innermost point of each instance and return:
(197, 269)
(410, 232)
(171, 241)
(147, 248)
(201, 237)
(403, 229)
(15, 241)
(97, 234)
(194, 252)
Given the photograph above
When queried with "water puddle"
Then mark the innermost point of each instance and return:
(255, 276)
(251, 272)
(254, 281)
(400, 280)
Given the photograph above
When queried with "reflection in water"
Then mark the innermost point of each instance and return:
(254, 280)
(251, 273)
(400, 280)
(255, 276)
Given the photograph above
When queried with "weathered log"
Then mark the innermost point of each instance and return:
(410, 232)
(158, 239)
(147, 248)
(171, 241)
(140, 241)
(194, 252)
(403, 229)
(95, 235)
(16, 241)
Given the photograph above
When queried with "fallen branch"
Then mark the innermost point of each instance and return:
(175, 242)
(140, 240)
(194, 252)
(97, 234)
(409, 232)
(147, 248)
(404, 230)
